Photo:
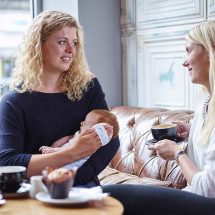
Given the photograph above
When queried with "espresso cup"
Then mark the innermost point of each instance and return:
(11, 178)
(164, 131)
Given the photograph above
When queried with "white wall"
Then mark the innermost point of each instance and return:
(101, 23)
(153, 73)
(69, 6)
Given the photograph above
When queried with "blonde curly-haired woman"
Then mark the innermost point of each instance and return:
(52, 93)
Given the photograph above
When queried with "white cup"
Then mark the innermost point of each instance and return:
(37, 185)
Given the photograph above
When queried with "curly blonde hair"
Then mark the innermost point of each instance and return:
(204, 35)
(28, 69)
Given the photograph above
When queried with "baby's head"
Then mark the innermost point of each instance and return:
(101, 116)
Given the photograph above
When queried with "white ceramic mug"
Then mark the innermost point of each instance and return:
(36, 185)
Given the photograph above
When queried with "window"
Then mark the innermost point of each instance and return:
(15, 17)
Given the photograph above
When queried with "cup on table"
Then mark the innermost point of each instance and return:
(37, 185)
(11, 178)
(164, 131)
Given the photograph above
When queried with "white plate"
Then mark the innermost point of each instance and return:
(76, 196)
(2, 201)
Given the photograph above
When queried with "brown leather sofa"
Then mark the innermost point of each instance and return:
(134, 163)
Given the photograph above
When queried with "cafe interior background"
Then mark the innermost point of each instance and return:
(135, 47)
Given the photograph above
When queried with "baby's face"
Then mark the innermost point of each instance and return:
(90, 120)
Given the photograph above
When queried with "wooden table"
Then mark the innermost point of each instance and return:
(33, 207)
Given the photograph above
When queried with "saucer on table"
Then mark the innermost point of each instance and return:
(76, 196)
(2, 201)
(72, 199)
(20, 193)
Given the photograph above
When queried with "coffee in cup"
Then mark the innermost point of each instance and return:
(164, 131)
(11, 178)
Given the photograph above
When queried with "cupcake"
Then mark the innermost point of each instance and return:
(58, 181)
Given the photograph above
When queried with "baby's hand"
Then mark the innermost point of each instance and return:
(46, 149)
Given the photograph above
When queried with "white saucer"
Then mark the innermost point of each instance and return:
(76, 196)
(2, 201)
(20, 193)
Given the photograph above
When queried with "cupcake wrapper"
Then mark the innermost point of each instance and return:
(60, 190)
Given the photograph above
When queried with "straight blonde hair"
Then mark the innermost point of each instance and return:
(204, 35)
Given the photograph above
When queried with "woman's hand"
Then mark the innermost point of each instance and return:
(183, 129)
(108, 128)
(168, 149)
(165, 149)
(86, 144)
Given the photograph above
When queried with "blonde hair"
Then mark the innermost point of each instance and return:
(204, 35)
(108, 117)
(28, 69)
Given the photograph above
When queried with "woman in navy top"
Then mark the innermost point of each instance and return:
(52, 93)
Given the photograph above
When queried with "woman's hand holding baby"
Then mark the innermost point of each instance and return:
(86, 144)
(88, 141)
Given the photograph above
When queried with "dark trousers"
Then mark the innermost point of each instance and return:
(152, 200)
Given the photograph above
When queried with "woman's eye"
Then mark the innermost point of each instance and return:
(61, 42)
(74, 44)
(188, 50)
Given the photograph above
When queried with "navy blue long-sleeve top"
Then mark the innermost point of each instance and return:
(32, 119)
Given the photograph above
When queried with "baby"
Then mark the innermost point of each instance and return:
(101, 120)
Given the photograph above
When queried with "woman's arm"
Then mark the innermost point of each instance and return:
(12, 132)
(168, 150)
(87, 143)
(203, 182)
(189, 169)
(14, 150)
(96, 163)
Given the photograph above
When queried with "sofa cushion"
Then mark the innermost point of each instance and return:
(113, 176)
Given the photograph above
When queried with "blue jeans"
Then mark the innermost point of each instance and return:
(152, 200)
